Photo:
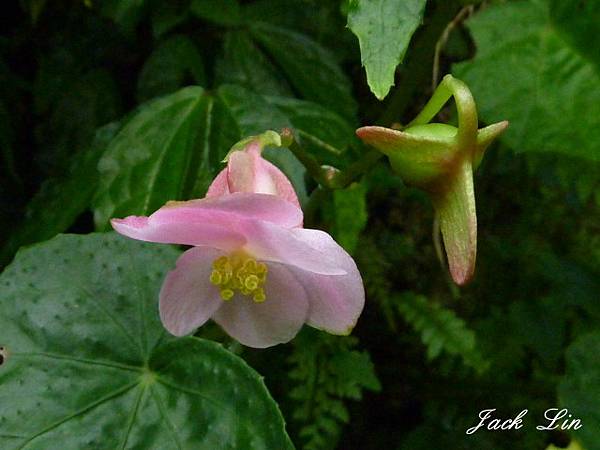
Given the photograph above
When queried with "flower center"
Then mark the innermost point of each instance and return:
(242, 273)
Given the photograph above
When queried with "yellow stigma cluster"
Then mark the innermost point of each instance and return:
(239, 272)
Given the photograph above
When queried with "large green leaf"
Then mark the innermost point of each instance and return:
(244, 64)
(173, 63)
(90, 366)
(61, 200)
(147, 163)
(579, 390)
(174, 146)
(310, 68)
(541, 76)
(384, 29)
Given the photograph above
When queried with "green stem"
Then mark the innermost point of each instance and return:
(465, 105)
(329, 178)
(308, 161)
(355, 170)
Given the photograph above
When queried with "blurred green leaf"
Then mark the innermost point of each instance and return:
(310, 68)
(384, 29)
(350, 215)
(222, 12)
(90, 366)
(173, 64)
(60, 200)
(126, 13)
(88, 103)
(168, 15)
(579, 391)
(543, 76)
(148, 162)
(244, 64)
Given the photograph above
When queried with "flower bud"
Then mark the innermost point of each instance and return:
(440, 159)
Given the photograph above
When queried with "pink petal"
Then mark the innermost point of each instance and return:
(283, 186)
(274, 321)
(219, 185)
(188, 298)
(270, 242)
(254, 206)
(177, 232)
(335, 301)
(248, 171)
(208, 221)
(244, 174)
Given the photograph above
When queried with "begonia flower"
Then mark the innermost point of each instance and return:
(440, 159)
(253, 269)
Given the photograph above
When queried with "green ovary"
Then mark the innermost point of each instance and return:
(242, 273)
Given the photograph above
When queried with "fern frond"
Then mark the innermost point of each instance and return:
(328, 370)
(441, 329)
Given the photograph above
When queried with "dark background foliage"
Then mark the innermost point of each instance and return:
(426, 356)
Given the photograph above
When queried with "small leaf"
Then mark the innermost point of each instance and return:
(90, 365)
(384, 29)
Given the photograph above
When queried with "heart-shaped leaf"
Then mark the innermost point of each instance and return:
(87, 364)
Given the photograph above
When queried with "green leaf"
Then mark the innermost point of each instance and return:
(126, 13)
(172, 148)
(441, 330)
(310, 68)
(60, 200)
(320, 131)
(173, 64)
(579, 391)
(349, 215)
(82, 106)
(542, 76)
(222, 12)
(90, 366)
(384, 29)
(148, 162)
(168, 15)
(244, 64)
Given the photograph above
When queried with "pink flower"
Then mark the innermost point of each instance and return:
(248, 171)
(253, 269)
